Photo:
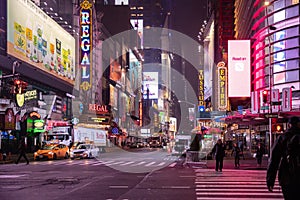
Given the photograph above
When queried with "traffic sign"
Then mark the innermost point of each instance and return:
(264, 107)
(271, 115)
(275, 103)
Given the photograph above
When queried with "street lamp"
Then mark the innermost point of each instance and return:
(194, 107)
(267, 3)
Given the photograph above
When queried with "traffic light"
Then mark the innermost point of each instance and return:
(279, 127)
(17, 86)
(265, 96)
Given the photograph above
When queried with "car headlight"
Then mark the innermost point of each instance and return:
(50, 152)
(36, 153)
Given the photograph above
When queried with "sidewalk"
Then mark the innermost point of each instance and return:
(13, 158)
(247, 164)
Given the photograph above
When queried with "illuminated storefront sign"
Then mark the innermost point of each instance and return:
(284, 105)
(98, 108)
(86, 44)
(222, 86)
(35, 38)
(201, 88)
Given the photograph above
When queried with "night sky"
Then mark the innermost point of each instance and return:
(188, 16)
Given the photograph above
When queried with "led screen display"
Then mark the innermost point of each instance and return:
(239, 68)
(35, 38)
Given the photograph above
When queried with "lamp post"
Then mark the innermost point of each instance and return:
(267, 3)
(194, 107)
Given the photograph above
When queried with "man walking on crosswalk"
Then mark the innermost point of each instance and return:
(219, 152)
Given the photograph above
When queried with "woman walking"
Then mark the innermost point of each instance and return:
(236, 153)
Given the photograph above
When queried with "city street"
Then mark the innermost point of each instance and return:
(120, 174)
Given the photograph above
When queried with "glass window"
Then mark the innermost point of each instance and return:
(292, 64)
(294, 53)
(292, 32)
(292, 43)
(292, 76)
(292, 12)
(279, 78)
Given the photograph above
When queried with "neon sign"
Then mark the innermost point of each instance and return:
(201, 88)
(86, 44)
(222, 86)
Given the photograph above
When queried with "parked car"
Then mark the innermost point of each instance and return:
(52, 152)
(85, 151)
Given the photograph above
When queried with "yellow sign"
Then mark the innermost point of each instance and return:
(222, 86)
(201, 88)
(20, 100)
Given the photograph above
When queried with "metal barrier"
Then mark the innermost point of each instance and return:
(196, 158)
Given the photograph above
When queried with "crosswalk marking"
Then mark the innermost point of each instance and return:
(149, 164)
(161, 164)
(116, 163)
(140, 163)
(107, 162)
(128, 163)
(233, 185)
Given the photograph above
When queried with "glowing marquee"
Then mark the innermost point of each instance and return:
(222, 86)
(201, 88)
(86, 44)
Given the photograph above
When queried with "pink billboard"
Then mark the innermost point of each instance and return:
(239, 63)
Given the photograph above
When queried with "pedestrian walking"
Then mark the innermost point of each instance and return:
(236, 154)
(22, 151)
(285, 158)
(259, 154)
(219, 152)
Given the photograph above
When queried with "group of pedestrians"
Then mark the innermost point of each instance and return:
(284, 160)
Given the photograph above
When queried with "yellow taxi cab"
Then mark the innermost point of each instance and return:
(52, 152)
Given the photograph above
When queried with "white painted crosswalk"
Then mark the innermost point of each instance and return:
(234, 184)
(109, 163)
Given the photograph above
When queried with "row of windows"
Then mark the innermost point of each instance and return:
(278, 78)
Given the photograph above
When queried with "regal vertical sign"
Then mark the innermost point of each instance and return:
(86, 44)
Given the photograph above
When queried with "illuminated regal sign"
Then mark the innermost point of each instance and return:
(201, 88)
(86, 44)
(98, 108)
(222, 86)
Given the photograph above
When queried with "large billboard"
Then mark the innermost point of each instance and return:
(150, 81)
(239, 62)
(35, 38)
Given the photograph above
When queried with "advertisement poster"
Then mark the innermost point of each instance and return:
(150, 81)
(96, 136)
(35, 38)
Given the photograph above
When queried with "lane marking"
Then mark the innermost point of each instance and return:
(12, 176)
(118, 186)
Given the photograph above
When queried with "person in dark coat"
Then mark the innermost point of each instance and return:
(22, 151)
(219, 152)
(259, 154)
(236, 154)
(289, 183)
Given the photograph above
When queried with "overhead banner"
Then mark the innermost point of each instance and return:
(35, 38)
(86, 44)
(239, 66)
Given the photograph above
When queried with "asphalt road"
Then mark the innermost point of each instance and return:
(141, 174)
